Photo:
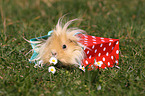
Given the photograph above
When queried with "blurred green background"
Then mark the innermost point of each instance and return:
(120, 19)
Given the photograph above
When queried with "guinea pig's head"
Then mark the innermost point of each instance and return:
(63, 44)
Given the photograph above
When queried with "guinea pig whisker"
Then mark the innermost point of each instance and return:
(28, 52)
(39, 45)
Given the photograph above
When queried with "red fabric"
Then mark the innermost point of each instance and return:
(105, 50)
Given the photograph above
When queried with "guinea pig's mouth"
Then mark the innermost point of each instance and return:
(64, 65)
(60, 64)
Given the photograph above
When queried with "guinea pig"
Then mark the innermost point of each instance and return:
(63, 45)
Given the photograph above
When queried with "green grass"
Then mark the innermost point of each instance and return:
(121, 19)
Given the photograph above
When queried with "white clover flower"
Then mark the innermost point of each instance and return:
(99, 63)
(53, 60)
(99, 87)
(82, 68)
(51, 69)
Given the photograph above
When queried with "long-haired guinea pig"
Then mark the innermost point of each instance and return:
(63, 44)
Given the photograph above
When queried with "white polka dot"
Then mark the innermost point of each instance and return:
(112, 57)
(99, 54)
(101, 38)
(110, 40)
(95, 50)
(105, 68)
(94, 39)
(93, 46)
(112, 48)
(85, 36)
(95, 42)
(88, 52)
(108, 63)
(117, 51)
(107, 54)
(104, 49)
(86, 62)
(90, 57)
(85, 41)
(116, 61)
(103, 59)
(110, 44)
(101, 45)
(117, 42)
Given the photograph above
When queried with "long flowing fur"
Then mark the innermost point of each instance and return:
(62, 35)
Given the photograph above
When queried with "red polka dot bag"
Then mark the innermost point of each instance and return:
(100, 52)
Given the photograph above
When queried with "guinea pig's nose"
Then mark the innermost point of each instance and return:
(53, 53)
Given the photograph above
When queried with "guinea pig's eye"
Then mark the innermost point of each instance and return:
(64, 46)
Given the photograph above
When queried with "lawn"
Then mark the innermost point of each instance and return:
(120, 19)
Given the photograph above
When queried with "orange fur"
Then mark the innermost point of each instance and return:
(73, 54)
